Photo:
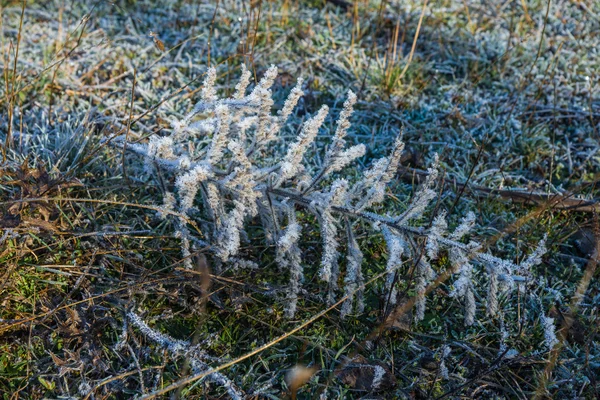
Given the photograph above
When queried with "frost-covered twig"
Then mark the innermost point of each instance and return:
(227, 171)
(181, 348)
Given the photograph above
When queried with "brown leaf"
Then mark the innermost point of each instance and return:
(57, 361)
(205, 280)
(40, 223)
(159, 44)
(400, 318)
(204, 270)
(576, 332)
(44, 211)
(374, 376)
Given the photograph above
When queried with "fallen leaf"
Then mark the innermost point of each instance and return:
(400, 318)
(373, 376)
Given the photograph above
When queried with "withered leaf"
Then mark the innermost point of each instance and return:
(365, 376)
(40, 223)
(9, 221)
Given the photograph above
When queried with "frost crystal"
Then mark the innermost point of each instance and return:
(549, 332)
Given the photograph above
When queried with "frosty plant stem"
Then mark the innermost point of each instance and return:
(227, 171)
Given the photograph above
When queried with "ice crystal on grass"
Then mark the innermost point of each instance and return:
(549, 332)
(396, 246)
(463, 286)
(288, 257)
(354, 278)
(291, 164)
(519, 110)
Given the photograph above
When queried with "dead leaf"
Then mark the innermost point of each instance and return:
(9, 221)
(398, 319)
(157, 42)
(373, 376)
(565, 319)
(40, 223)
(585, 241)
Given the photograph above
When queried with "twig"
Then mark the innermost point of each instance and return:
(100, 201)
(11, 94)
(414, 44)
(565, 201)
(128, 125)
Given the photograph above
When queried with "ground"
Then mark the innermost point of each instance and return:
(506, 93)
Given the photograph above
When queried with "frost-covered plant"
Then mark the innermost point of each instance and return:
(229, 171)
(179, 348)
(445, 352)
(549, 332)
